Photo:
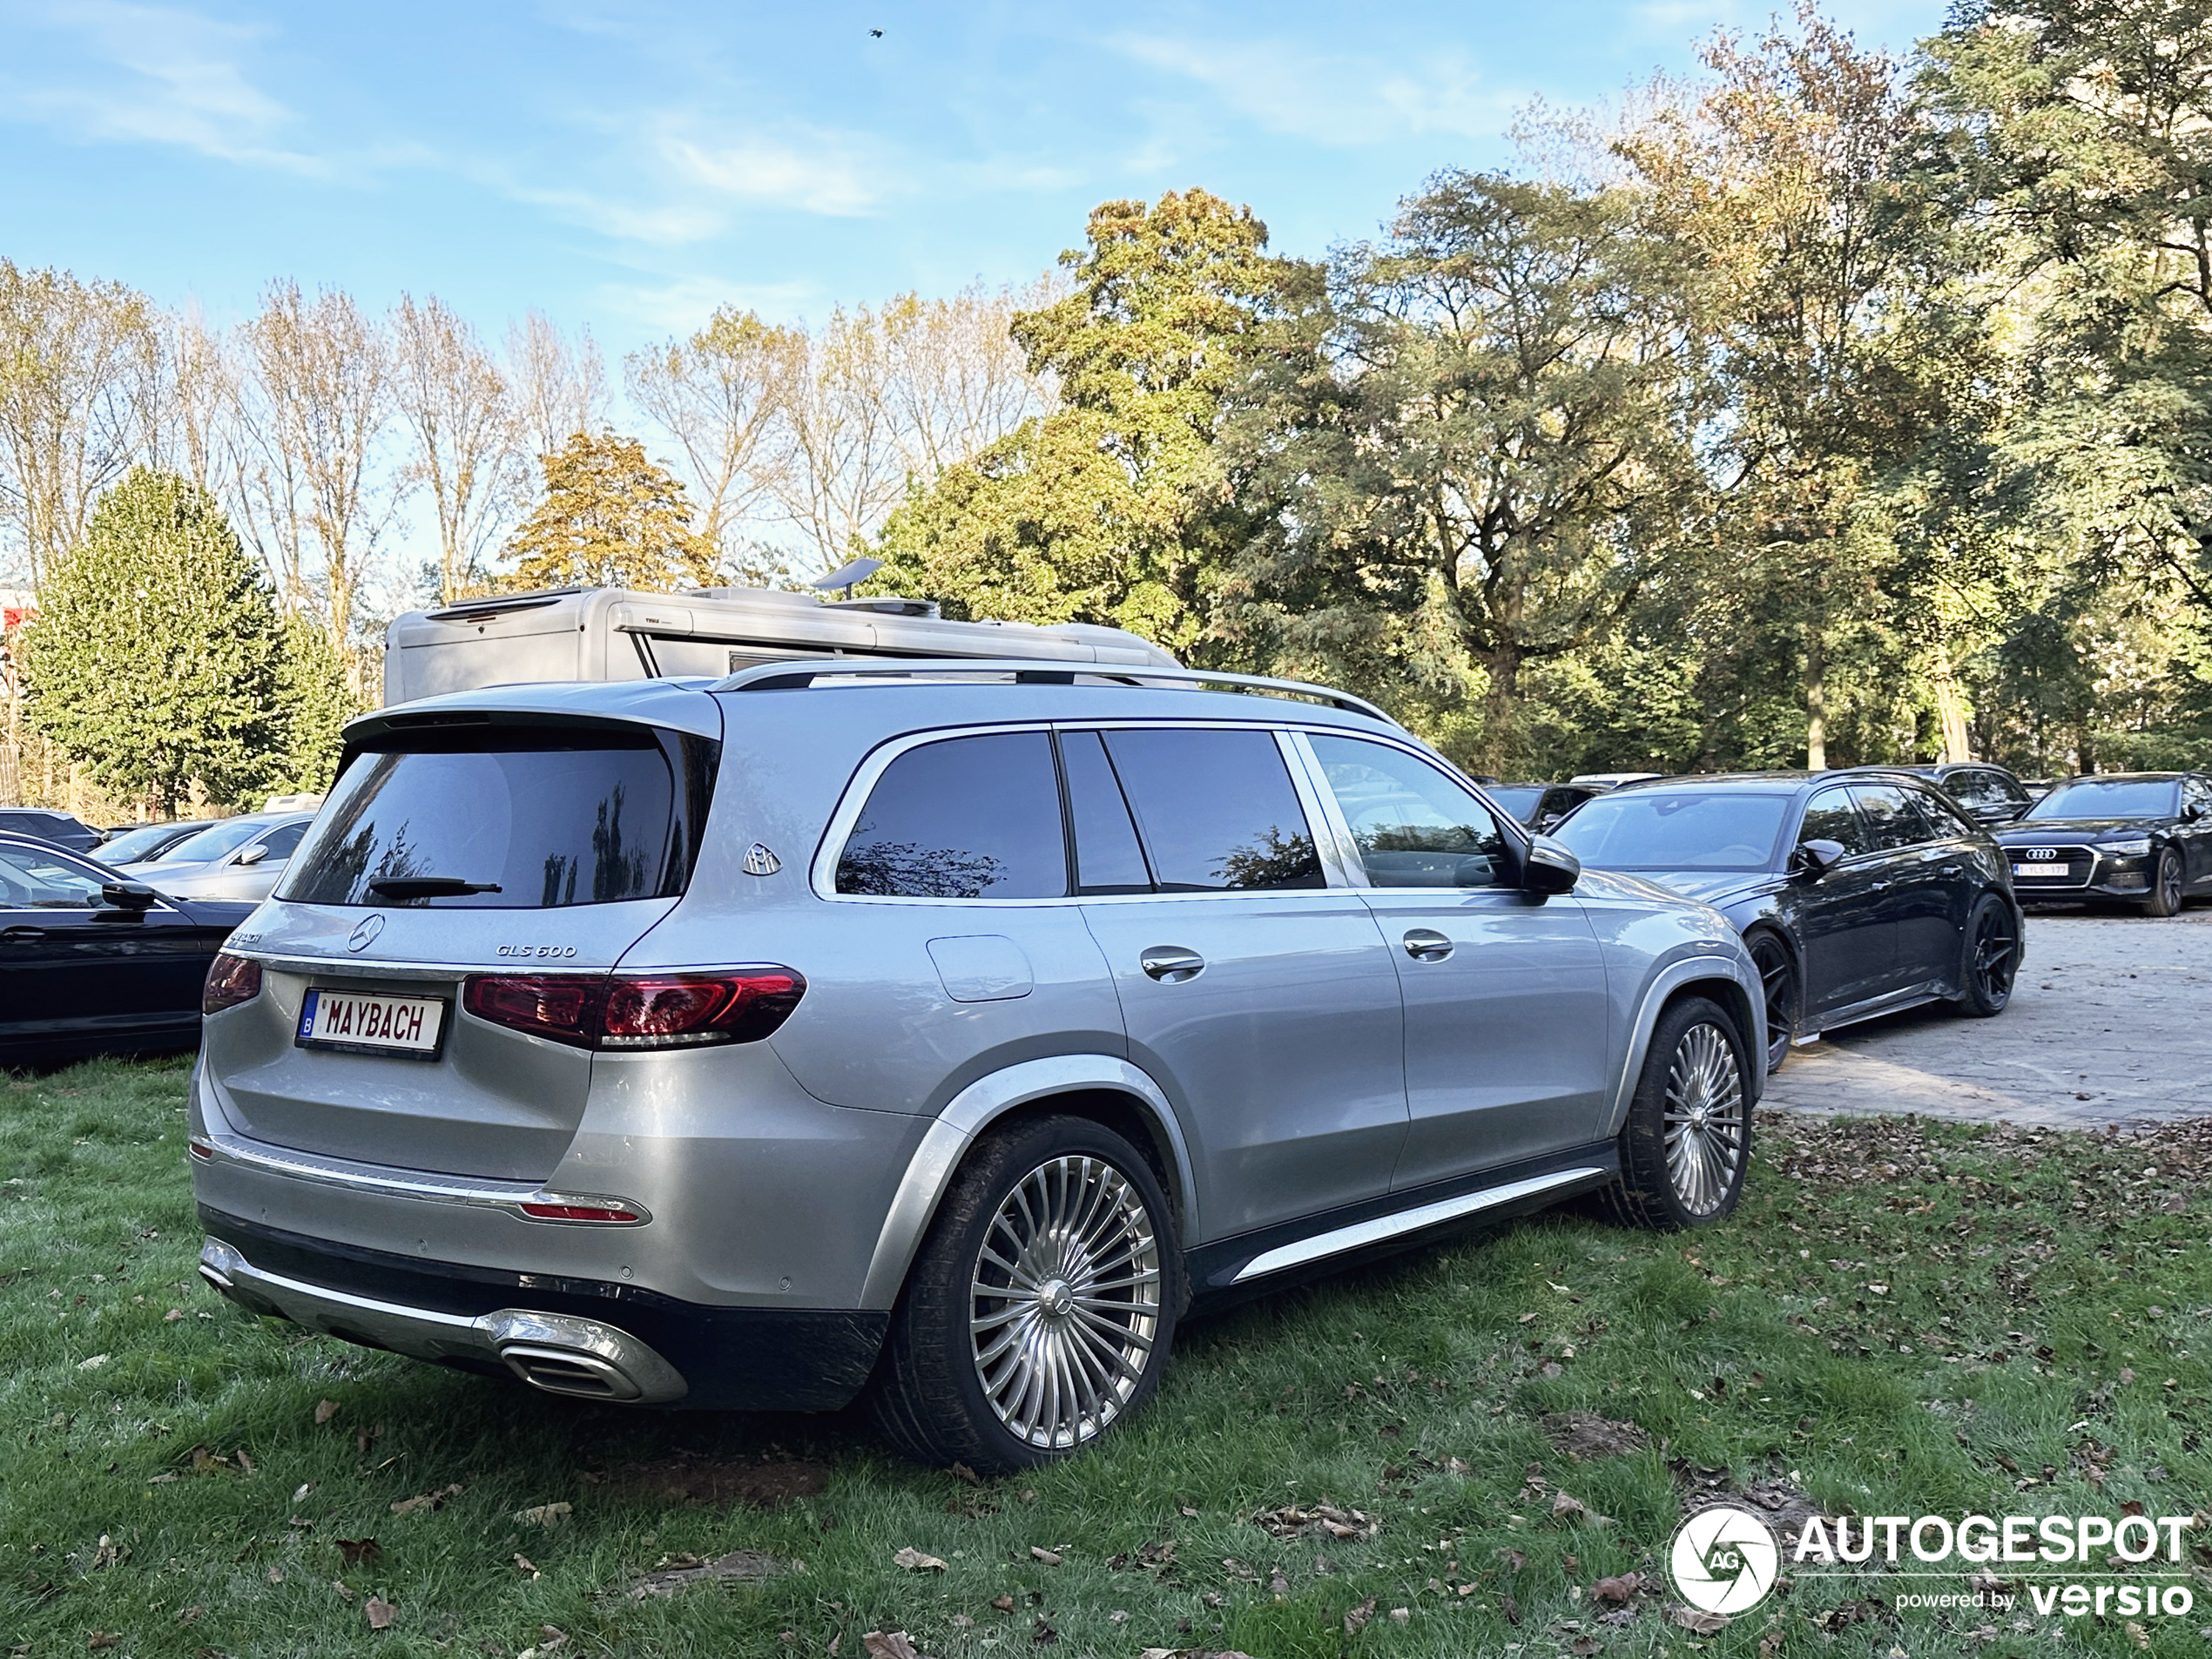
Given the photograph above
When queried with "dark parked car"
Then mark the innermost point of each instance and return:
(93, 963)
(1541, 806)
(1991, 795)
(55, 828)
(143, 843)
(2141, 836)
(1857, 896)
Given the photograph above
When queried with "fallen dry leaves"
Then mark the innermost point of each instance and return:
(428, 1500)
(675, 1574)
(380, 1613)
(1292, 1520)
(915, 1561)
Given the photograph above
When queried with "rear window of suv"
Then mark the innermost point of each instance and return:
(507, 817)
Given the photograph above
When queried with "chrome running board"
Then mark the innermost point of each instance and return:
(1339, 1239)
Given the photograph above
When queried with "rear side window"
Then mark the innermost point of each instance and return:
(1946, 820)
(284, 841)
(1215, 808)
(507, 817)
(968, 818)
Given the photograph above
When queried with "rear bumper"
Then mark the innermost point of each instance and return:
(582, 1338)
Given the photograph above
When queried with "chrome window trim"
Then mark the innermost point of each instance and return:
(822, 869)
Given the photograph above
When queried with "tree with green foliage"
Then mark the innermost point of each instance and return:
(610, 518)
(1823, 271)
(157, 659)
(1114, 507)
(1484, 458)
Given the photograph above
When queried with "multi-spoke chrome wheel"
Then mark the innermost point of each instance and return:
(1065, 1301)
(1705, 1119)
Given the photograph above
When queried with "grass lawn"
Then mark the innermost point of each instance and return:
(1906, 1317)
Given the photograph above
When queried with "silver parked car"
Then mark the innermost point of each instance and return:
(233, 858)
(939, 1032)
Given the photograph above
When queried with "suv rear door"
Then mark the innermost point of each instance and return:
(1264, 1000)
(575, 835)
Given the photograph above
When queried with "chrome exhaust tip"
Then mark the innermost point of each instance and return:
(565, 1371)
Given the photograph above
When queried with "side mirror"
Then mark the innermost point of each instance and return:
(1549, 868)
(1813, 860)
(254, 854)
(130, 895)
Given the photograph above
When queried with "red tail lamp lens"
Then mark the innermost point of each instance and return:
(560, 1006)
(231, 980)
(639, 1011)
(665, 1009)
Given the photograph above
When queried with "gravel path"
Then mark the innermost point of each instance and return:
(2111, 1022)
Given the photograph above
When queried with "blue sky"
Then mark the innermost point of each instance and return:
(631, 165)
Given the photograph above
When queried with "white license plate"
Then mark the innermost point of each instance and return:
(372, 1024)
(2038, 869)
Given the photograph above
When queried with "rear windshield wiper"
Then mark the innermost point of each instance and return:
(429, 886)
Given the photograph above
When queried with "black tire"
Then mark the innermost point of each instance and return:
(1992, 959)
(1778, 974)
(930, 1397)
(1695, 1180)
(2165, 886)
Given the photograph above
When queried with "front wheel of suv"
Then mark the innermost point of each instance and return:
(1688, 1140)
(1041, 1307)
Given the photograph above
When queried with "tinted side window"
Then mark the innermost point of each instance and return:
(1217, 810)
(32, 880)
(1945, 820)
(2197, 794)
(1891, 821)
(1831, 817)
(1108, 859)
(1414, 826)
(281, 842)
(1973, 788)
(969, 818)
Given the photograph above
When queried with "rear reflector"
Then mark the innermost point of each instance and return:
(607, 1213)
(201, 1151)
(639, 1010)
(231, 980)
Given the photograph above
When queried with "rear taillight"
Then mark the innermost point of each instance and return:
(639, 1010)
(665, 1009)
(231, 980)
(564, 1008)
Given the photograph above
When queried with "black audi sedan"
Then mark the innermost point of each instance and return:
(2142, 837)
(1856, 896)
(93, 963)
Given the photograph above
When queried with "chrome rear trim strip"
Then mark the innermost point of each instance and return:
(215, 1147)
(1340, 1239)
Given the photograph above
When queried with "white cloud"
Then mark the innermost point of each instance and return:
(823, 178)
(1330, 98)
(152, 75)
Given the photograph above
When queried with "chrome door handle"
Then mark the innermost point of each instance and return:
(1425, 945)
(26, 933)
(1171, 964)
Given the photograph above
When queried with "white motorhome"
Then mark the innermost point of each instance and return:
(618, 634)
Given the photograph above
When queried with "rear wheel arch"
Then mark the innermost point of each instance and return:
(1101, 1089)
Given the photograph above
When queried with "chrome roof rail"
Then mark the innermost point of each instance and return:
(800, 673)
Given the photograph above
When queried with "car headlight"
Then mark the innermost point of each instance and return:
(2127, 846)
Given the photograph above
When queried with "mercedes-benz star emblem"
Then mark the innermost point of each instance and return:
(365, 932)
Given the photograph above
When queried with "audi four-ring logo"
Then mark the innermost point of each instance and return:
(365, 932)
